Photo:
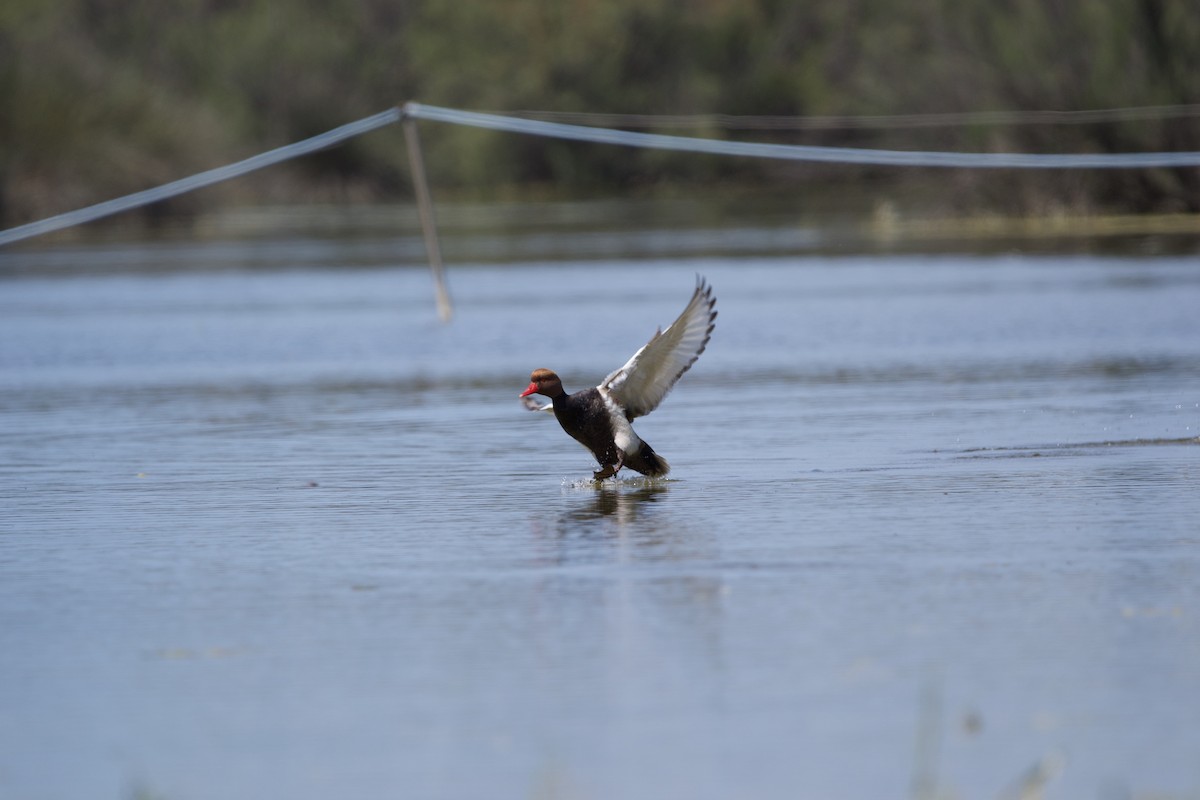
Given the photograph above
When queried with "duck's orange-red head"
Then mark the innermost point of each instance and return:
(543, 381)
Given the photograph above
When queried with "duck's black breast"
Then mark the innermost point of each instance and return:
(586, 418)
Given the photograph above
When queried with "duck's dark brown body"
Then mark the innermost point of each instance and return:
(589, 421)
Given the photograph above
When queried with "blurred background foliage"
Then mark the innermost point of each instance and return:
(105, 97)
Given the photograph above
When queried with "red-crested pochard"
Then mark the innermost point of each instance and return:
(599, 418)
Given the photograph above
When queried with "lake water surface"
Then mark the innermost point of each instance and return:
(269, 529)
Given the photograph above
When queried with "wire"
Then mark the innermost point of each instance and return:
(865, 122)
(792, 152)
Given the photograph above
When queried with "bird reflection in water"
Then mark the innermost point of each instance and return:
(600, 514)
(610, 522)
(622, 503)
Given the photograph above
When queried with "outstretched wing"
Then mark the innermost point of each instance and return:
(646, 378)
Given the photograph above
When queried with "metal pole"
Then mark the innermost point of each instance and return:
(428, 223)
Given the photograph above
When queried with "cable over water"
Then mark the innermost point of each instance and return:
(792, 152)
(878, 122)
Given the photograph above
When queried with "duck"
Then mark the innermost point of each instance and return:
(600, 418)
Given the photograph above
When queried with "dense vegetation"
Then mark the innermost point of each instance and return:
(102, 97)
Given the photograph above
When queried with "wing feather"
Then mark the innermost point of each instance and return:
(646, 378)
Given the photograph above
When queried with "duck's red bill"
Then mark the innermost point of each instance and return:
(532, 388)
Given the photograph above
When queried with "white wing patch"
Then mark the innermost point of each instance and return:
(623, 434)
(646, 378)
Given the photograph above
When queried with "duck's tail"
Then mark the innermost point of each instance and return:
(647, 462)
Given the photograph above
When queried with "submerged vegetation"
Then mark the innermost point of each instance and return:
(104, 97)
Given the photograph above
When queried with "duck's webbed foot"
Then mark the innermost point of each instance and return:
(608, 470)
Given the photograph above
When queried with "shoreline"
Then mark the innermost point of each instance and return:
(766, 224)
